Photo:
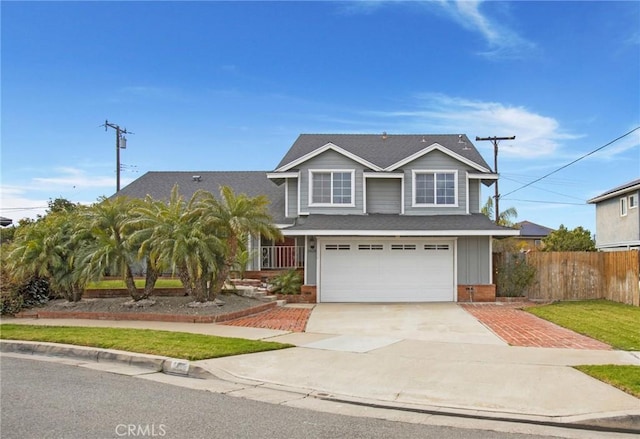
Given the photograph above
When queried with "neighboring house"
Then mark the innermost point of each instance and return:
(532, 234)
(618, 218)
(369, 218)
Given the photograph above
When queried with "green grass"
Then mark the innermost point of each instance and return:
(165, 343)
(613, 323)
(115, 284)
(625, 378)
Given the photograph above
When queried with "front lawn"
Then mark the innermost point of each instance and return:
(117, 284)
(181, 345)
(625, 378)
(613, 323)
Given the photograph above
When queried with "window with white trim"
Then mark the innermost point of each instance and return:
(434, 188)
(623, 207)
(633, 201)
(330, 188)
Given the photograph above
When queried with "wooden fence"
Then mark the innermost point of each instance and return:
(613, 276)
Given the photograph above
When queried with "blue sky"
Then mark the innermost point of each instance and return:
(230, 85)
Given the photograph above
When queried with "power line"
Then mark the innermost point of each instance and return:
(576, 160)
(547, 190)
(547, 202)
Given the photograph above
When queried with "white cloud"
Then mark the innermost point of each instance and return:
(504, 43)
(536, 135)
(15, 204)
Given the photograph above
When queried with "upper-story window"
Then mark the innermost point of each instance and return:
(330, 188)
(633, 201)
(623, 206)
(435, 188)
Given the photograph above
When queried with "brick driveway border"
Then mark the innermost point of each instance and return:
(519, 328)
(284, 319)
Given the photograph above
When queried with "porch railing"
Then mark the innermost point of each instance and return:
(282, 256)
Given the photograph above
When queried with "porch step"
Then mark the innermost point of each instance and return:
(255, 293)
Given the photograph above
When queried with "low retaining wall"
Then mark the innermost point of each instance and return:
(156, 317)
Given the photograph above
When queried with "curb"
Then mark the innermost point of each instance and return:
(618, 422)
(155, 363)
(614, 422)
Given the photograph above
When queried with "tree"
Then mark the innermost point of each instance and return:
(108, 223)
(232, 217)
(60, 205)
(505, 218)
(565, 240)
(173, 235)
(48, 248)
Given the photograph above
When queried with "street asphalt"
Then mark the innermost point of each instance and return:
(432, 359)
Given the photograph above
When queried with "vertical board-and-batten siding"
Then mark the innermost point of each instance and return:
(292, 198)
(474, 260)
(474, 196)
(334, 161)
(384, 195)
(436, 161)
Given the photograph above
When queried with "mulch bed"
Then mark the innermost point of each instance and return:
(174, 309)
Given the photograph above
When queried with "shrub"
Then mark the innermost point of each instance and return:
(289, 282)
(514, 275)
(15, 296)
(10, 302)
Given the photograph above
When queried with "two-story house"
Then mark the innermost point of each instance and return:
(369, 218)
(618, 217)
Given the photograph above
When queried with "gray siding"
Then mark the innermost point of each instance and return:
(436, 160)
(292, 199)
(474, 260)
(384, 195)
(334, 161)
(474, 196)
(310, 266)
(611, 228)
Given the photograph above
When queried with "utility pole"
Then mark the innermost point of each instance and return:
(495, 141)
(121, 143)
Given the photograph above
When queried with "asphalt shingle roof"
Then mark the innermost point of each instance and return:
(529, 229)
(382, 151)
(390, 222)
(159, 184)
(632, 185)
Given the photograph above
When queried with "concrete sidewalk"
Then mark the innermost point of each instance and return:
(484, 380)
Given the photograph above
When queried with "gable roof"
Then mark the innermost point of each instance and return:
(622, 189)
(383, 151)
(158, 184)
(533, 230)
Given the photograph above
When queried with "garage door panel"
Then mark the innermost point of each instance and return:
(386, 271)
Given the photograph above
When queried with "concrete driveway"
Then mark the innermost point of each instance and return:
(433, 355)
(435, 322)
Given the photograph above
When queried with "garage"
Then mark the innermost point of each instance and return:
(386, 270)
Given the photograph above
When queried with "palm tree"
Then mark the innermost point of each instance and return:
(231, 218)
(48, 248)
(505, 218)
(172, 236)
(110, 250)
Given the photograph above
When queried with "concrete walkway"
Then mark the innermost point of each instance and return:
(427, 358)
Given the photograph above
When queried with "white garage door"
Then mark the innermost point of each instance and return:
(386, 270)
